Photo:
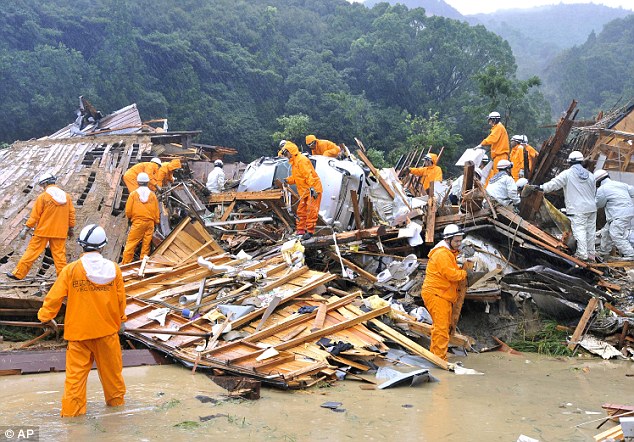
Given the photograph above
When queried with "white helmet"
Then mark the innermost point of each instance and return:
(143, 178)
(427, 157)
(478, 171)
(156, 160)
(575, 157)
(600, 174)
(47, 178)
(494, 116)
(485, 158)
(282, 143)
(218, 163)
(518, 138)
(452, 230)
(504, 164)
(92, 237)
(524, 139)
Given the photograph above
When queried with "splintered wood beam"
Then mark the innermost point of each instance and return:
(581, 326)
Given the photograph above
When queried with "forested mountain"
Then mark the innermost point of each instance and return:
(537, 35)
(598, 73)
(232, 68)
(431, 7)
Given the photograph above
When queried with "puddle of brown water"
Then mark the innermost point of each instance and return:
(517, 395)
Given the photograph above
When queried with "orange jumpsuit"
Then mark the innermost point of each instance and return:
(440, 292)
(165, 174)
(517, 158)
(53, 219)
(428, 173)
(129, 178)
(94, 313)
(498, 139)
(326, 148)
(303, 175)
(144, 216)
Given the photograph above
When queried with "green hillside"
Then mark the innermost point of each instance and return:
(233, 68)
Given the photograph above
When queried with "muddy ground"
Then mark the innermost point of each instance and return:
(545, 398)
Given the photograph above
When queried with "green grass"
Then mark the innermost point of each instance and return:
(548, 341)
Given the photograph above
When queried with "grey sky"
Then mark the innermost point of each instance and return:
(467, 7)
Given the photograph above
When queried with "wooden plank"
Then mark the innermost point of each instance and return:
(320, 318)
(405, 341)
(355, 207)
(363, 273)
(376, 174)
(225, 216)
(318, 334)
(581, 326)
(430, 220)
(457, 306)
(227, 197)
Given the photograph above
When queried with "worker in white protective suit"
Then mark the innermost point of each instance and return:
(216, 179)
(502, 187)
(579, 195)
(616, 197)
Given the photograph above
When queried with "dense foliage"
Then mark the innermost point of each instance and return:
(598, 73)
(240, 70)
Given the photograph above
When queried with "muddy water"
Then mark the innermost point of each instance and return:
(544, 398)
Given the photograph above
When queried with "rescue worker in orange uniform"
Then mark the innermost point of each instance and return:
(429, 172)
(165, 174)
(142, 209)
(440, 287)
(498, 139)
(322, 147)
(95, 312)
(150, 167)
(53, 218)
(519, 145)
(308, 184)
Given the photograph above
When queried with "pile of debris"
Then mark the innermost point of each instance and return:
(229, 288)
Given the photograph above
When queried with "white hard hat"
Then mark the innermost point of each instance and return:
(600, 174)
(282, 143)
(47, 178)
(427, 157)
(518, 138)
(575, 157)
(485, 158)
(218, 163)
(504, 164)
(524, 139)
(478, 171)
(92, 237)
(156, 160)
(452, 230)
(494, 115)
(143, 178)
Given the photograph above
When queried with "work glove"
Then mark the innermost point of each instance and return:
(122, 328)
(52, 325)
(313, 193)
(23, 232)
(71, 232)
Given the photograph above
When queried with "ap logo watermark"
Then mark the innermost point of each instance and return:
(19, 433)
